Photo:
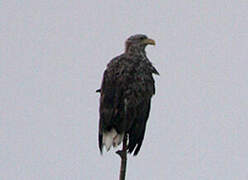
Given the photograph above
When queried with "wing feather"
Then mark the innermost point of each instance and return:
(126, 91)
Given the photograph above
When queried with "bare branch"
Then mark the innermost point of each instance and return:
(123, 155)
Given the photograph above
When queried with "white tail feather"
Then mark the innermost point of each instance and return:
(112, 138)
(118, 139)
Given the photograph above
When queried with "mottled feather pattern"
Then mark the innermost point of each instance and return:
(126, 92)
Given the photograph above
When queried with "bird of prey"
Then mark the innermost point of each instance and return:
(126, 91)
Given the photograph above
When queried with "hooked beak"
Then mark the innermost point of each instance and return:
(149, 41)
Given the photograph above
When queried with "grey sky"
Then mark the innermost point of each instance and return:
(53, 54)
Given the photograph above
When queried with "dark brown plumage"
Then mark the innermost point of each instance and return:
(126, 91)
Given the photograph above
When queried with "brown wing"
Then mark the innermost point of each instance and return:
(112, 101)
(126, 92)
(146, 90)
(108, 104)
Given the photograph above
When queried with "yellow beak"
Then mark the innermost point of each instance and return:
(149, 41)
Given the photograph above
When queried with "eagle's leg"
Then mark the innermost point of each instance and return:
(123, 155)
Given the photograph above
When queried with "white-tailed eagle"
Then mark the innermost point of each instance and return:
(126, 91)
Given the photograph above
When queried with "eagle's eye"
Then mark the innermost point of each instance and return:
(142, 37)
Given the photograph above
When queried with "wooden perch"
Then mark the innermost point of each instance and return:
(123, 155)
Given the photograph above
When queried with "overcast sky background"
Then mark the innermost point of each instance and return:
(53, 54)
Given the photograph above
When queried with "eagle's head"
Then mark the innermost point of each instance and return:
(138, 42)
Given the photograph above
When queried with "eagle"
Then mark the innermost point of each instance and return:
(125, 96)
